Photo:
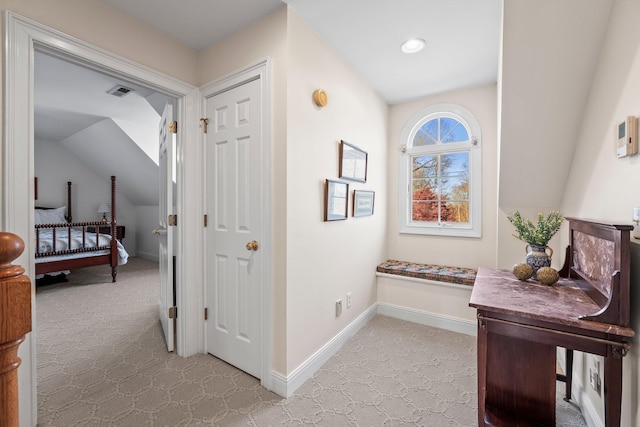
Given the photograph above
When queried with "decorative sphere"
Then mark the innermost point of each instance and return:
(522, 271)
(547, 275)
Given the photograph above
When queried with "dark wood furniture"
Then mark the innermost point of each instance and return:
(15, 323)
(83, 256)
(106, 229)
(521, 323)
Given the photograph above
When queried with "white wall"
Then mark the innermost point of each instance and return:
(600, 185)
(147, 243)
(55, 165)
(326, 260)
(454, 251)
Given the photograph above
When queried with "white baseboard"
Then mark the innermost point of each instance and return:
(579, 395)
(286, 386)
(588, 409)
(448, 323)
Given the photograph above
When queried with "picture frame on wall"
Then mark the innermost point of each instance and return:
(363, 202)
(353, 162)
(335, 200)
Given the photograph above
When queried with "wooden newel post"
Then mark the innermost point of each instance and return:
(15, 323)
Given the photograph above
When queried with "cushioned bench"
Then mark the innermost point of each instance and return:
(440, 273)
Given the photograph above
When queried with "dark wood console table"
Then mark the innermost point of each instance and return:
(520, 324)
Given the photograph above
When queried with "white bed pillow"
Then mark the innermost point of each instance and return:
(50, 216)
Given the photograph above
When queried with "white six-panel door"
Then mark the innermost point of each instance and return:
(234, 261)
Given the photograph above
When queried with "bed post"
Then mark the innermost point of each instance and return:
(69, 217)
(114, 231)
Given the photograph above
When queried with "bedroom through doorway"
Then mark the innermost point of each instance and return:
(90, 125)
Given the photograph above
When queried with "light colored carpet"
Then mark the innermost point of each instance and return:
(102, 361)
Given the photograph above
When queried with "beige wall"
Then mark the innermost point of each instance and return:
(454, 251)
(98, 23)
(326, 260)
(600, 185)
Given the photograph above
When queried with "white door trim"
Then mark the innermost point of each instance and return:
(260, 70)
(22, 37)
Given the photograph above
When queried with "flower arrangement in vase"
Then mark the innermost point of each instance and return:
(537, 236)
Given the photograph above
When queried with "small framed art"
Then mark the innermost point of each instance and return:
(335, 200)
(353, 162)
(363, 203)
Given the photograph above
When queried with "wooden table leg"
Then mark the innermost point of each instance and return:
(482, 370)
(613, 387)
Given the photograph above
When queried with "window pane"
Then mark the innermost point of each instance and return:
(424, 166)
(427, 134)
(455, 163)
(452, 130)
(454, 187)
(424, 210)
(456, 211)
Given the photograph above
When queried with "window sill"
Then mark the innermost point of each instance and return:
(441, 231)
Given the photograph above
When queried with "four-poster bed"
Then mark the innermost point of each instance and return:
(61, 244)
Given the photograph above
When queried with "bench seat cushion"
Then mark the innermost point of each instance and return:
(441, 273)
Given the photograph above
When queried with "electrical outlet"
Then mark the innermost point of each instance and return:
(349, 300)
(338, 307)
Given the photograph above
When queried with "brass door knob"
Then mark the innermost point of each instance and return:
(252, 246)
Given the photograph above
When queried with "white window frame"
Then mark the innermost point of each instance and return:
(474, 146)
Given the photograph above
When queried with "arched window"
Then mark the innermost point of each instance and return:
(440, 173)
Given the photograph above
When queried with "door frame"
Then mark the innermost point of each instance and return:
(22, 37)
(262, 71)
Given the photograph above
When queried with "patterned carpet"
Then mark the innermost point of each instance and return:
(102, 361)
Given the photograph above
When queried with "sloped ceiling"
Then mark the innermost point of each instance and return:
(137, 175)
(73, 108)
(550, 54)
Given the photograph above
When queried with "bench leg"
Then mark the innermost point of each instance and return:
(567, 377)
(568, 372)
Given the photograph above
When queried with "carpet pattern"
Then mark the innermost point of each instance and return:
(102, 361)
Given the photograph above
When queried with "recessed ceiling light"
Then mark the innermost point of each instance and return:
(413, 45)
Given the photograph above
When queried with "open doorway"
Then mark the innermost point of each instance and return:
(90, 125)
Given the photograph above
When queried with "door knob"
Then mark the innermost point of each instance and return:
(252, 246)
(159, 232)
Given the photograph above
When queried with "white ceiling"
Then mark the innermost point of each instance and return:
(462, 51)
(463, 42)
(462, 36)
(546, 68)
